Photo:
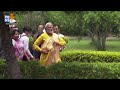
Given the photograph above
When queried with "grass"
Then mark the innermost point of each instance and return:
(81, 45)
(84, 44)
(113, 45)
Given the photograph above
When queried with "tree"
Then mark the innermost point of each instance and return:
(69, 21)
(12, 65)
(99, 24)
(32, 19)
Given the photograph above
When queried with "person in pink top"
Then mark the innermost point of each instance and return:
(18, 45)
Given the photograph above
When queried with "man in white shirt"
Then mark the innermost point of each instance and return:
(57, 31)
(25, 39)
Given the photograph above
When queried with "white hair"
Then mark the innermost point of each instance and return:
(49, 23)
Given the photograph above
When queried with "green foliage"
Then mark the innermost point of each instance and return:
(32, 19)
(65, 70)
(76, 70)
(32, 69)
(101, 20)
(99, 24)
(90, 56)
(3, 69)
(30, 38)
(70, 23)
(31, 42)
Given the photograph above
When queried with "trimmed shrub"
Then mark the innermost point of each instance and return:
(66, 70)
(3, 68)
(32, 69)
(90, 56)
(77, 70)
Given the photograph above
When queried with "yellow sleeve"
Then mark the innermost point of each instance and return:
(62, 42)
(37, 43)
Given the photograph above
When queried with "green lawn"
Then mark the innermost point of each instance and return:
(113, 45)
(84, 44)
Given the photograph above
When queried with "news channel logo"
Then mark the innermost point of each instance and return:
(8, 18)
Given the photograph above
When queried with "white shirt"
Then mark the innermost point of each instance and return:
(25, 40)
(13, 42)
(44, 30)
(61, 35)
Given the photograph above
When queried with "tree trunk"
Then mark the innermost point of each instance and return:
(103, 44)
(96, 39)
(12, 65)
(99, 41)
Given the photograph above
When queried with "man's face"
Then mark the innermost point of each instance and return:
(40, 28)
(49, 29)
(56, 29)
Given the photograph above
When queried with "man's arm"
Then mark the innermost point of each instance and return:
(37, 43)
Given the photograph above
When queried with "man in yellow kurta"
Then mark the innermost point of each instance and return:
(50, 46)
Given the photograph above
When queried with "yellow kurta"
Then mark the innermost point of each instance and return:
(47, 42)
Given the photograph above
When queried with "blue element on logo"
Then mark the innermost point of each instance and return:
(6, 18)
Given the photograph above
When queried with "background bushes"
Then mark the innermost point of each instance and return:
(75, 64)
(32, 19)
(90, 56)
(66, 70)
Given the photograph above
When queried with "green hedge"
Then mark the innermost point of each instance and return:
(77, 70)
(30, 70)
(66, 70)
(3, 73)
(90, 56)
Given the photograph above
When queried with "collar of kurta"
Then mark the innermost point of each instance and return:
(48, 34)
